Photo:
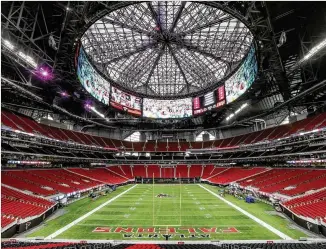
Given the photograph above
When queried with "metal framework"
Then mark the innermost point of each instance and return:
(188, 35)
(167, 49)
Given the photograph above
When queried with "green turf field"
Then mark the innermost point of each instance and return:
(188, 213)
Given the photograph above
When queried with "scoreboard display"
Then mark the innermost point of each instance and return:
(126, 102)
(209, 101)
(163, 109)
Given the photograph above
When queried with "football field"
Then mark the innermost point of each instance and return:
(148, 212)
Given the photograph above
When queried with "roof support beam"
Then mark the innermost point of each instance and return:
(154, 65)
(197, 49)
(127, 55)
(123, 25)
(180, 68)
(155, 17)
(178, 15)
(218, 21)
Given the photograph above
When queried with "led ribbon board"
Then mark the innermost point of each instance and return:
(242, 79)
(164, 109)
(125, 101)
(91, 80)
(209, 101)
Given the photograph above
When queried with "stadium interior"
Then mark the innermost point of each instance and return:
(163, 125)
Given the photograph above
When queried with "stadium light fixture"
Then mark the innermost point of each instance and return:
(64, 94)
(45, 73)
(237, 111)
(8, 44)
(314, 51)
(96, 111)
(27, 59)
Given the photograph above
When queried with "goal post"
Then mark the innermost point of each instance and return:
(174, 195)
(180, 199)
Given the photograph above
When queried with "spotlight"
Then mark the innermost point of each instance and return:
(8, 44)
(64, 94)
(27, 59)
(314, 51)
(44, 73)
(88, 105)
(237, 111)
(97, 112)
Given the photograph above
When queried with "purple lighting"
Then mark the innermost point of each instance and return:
(88, 105)
(44, 73)
(64, 94)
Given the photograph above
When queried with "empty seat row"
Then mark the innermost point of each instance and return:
(288, 182)
(312, 206)
(44, 245)
(11, 193)
(234, 174)
(48, 182)
(307, 199)
(10, 207)
(22, 123)
(5, 221)
(100, 174)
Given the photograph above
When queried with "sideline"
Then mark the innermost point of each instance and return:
(259, 221)
(65, 228)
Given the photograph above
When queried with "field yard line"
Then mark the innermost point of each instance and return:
(259, 221)
(63, 229)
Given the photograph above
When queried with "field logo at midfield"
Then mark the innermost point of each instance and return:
(163, 195)
(154, 232)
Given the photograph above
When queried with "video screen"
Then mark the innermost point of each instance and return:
(242, 79)
(125, 101)
(209, 101)
(91, 80)
(164, 109)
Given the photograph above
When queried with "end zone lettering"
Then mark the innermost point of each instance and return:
(157, 236)
(200, 232)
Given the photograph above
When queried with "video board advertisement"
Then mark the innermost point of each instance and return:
(209, 101)
(125, 101)
(91, 80)
(164, 109)
(242, 79)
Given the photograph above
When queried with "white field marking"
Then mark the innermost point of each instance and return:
(65, 228)
(132, 208)
(208, 215)
(167, 215)
(137, 203)
(259, 221)
(202, 208)
(126, 215)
